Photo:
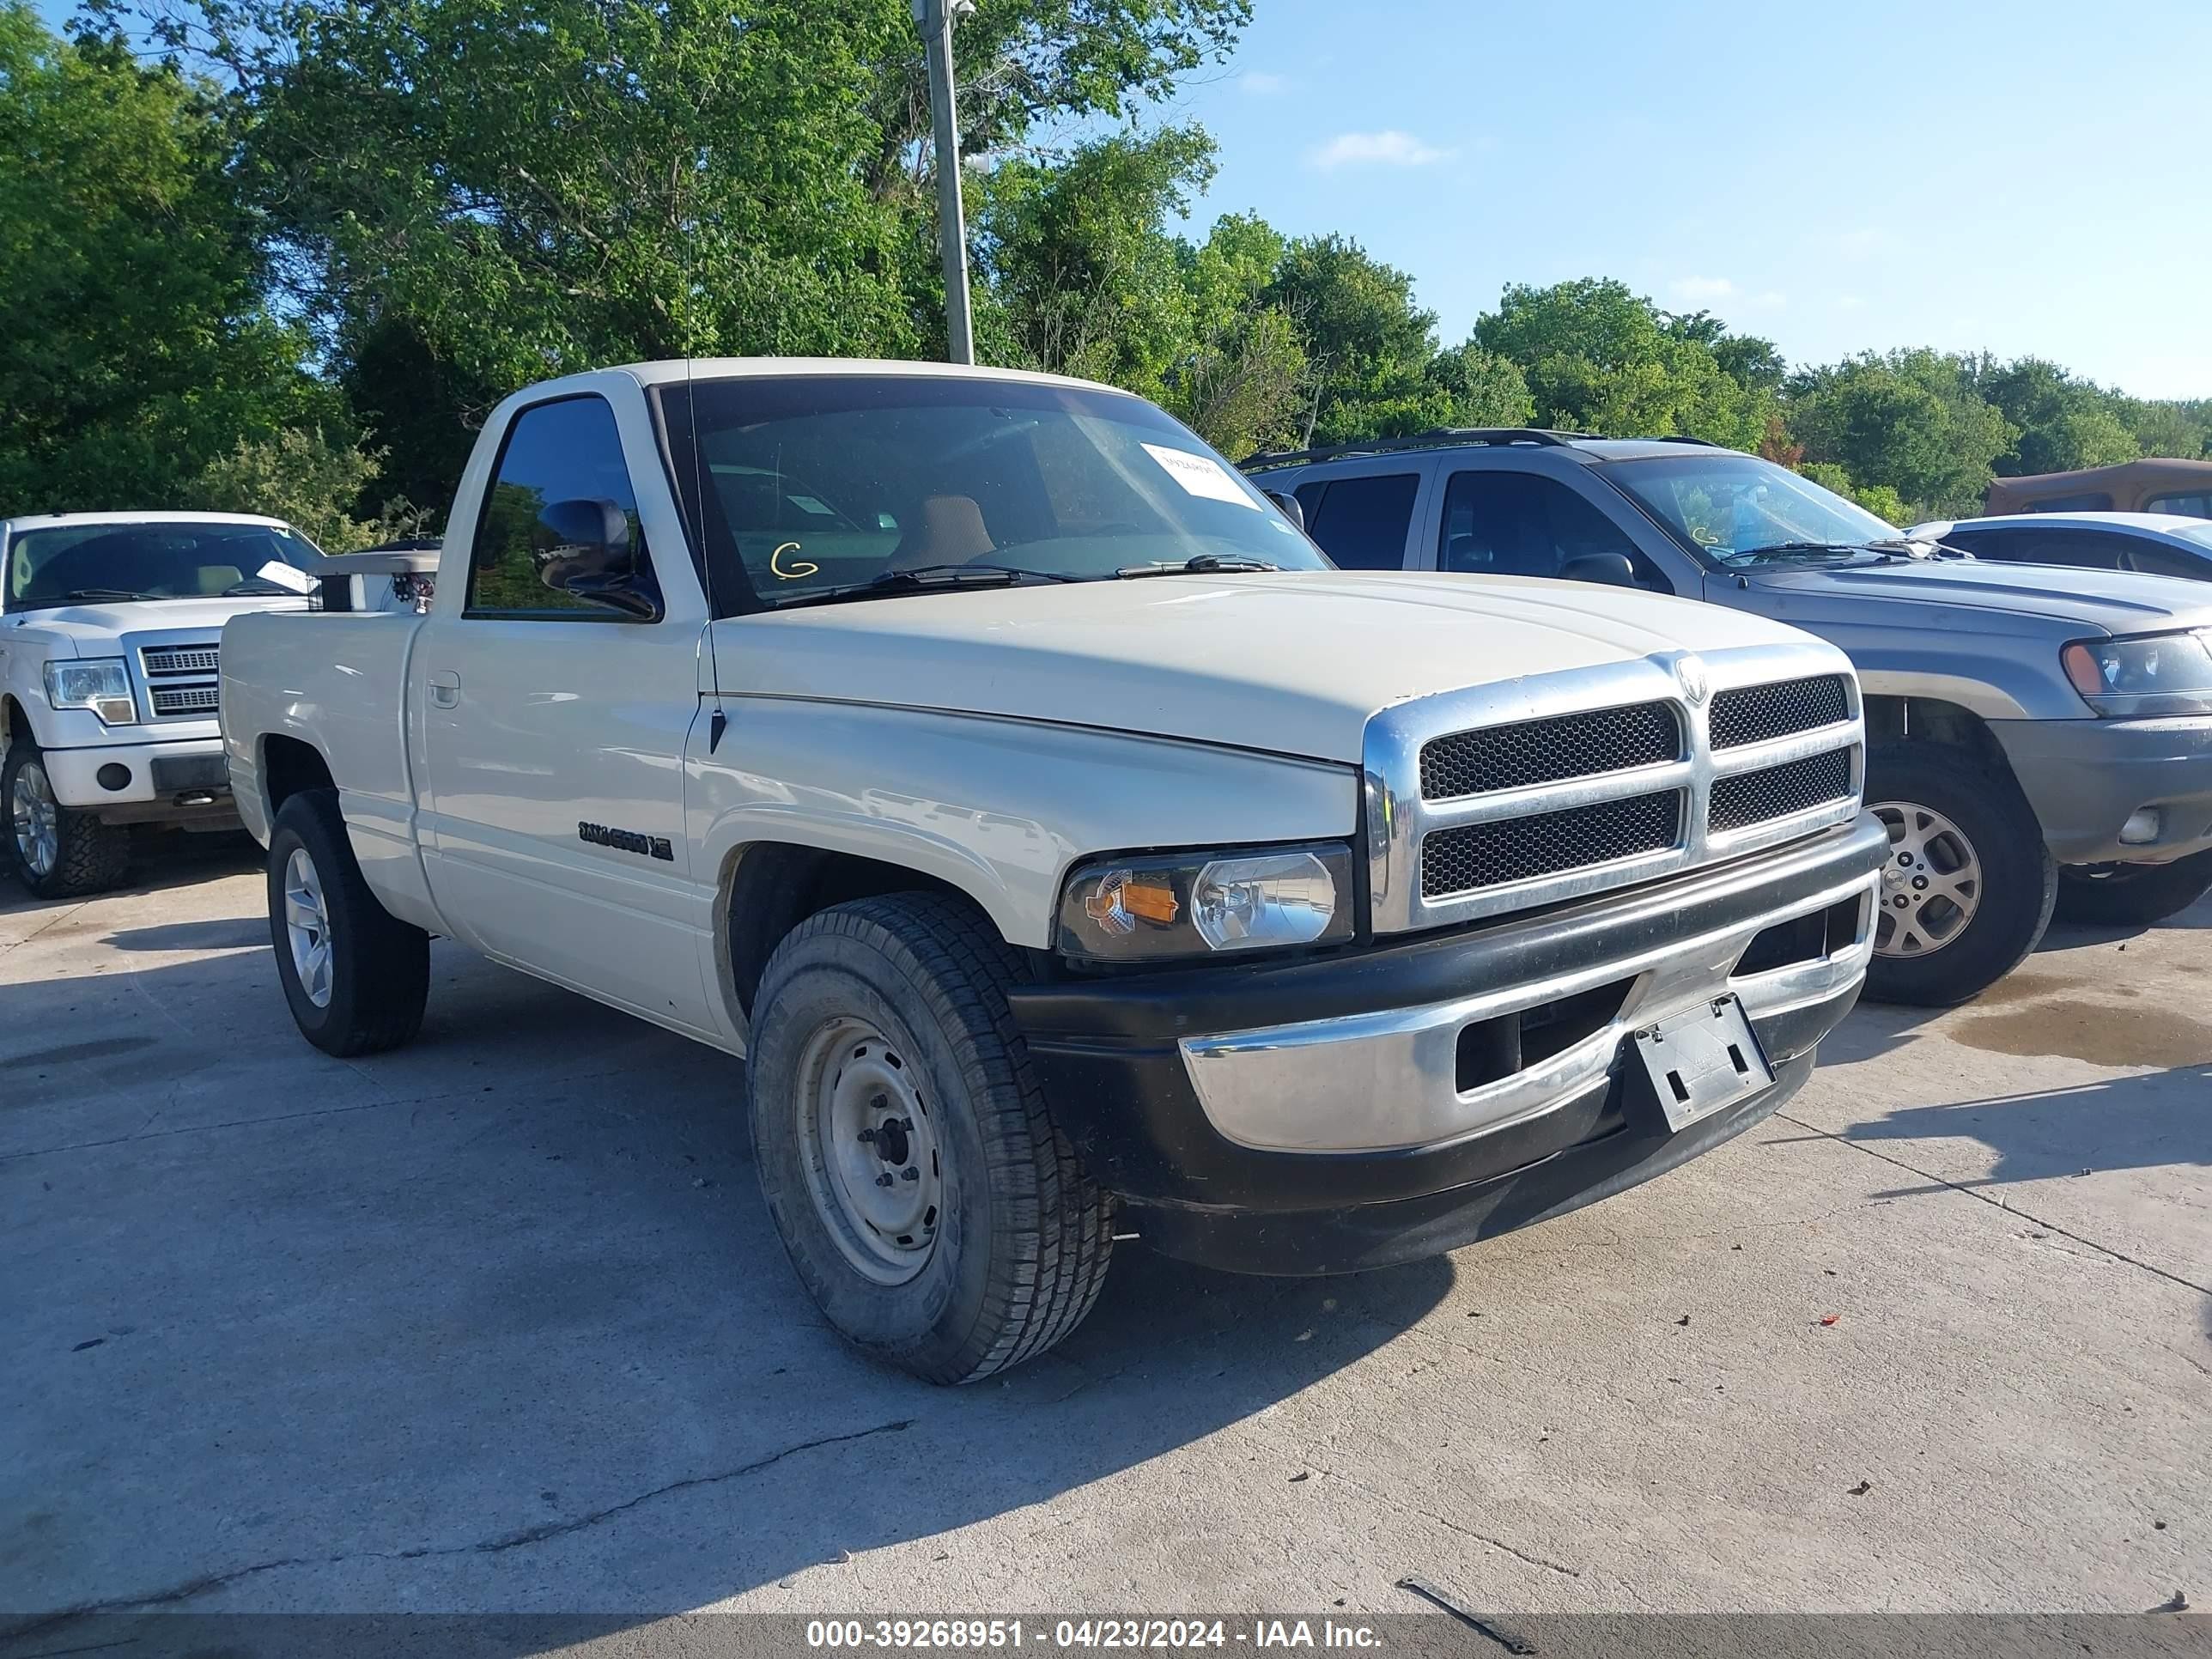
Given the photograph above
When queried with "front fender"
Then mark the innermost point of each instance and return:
(998, 808)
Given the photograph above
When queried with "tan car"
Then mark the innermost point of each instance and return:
(2145, 486)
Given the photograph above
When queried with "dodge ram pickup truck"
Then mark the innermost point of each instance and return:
(108, 629)
(2035, 735)
(1071, 853)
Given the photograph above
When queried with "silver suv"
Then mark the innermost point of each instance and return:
(2036, 736)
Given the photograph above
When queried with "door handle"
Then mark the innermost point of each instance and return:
(446, 689)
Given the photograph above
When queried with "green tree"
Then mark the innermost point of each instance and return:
(1878, 499)
(2063, 422)
(1909, 420)
(134, 340)
(1241, 383)
(1599, 358)
(2167, 427)
(305, 479)
(1368, 346)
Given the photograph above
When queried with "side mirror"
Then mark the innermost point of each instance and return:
(1290, 509)
(1613, 569)
(584, 550)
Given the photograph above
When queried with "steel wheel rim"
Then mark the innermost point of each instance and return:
(869, 1148)
(1931, 883)
(308, 927)
(36, 819)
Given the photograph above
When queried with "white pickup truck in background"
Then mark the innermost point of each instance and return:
(109, 625)
(1070, 851)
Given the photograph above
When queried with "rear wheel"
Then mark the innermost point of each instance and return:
(927, 1202)
(1968, 885)
(56, 851)
(2133, 895)
(356, 976)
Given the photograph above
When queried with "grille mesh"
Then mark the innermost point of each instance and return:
(185, 699)
(1546, 750)
(1757, 713)
(1474, 855)
(180, 659)
(1775, 792)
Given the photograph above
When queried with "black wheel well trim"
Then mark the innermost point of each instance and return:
(1933, 722)
(769, 887)
(14, 717)
(286, 766)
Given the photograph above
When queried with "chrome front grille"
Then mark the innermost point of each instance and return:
(1759, 714)
(1547, 788)
(182, 681)
(1744, 799)
(185, 699)
(1525, 752)
(1543, 844)
(160, 659)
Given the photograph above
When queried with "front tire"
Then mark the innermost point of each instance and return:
(356, 976)
(927, 1202)
(56, 851)
(1968, 887)
(2132, 895)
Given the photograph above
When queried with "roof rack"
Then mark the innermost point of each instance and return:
(1684, 438)
(1435, 437)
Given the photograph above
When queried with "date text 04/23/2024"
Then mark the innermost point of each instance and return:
(1131, 1633)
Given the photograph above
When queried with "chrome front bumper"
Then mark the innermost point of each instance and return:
(1386, 1080)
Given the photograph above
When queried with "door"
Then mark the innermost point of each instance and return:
(554, 722)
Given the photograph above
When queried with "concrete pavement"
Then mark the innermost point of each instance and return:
(498, 1324)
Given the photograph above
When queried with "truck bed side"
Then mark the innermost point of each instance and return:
(336, 683)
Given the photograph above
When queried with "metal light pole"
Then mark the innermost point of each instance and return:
(935, 18)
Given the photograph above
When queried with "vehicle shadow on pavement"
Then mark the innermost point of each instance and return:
(160, 861)
(499, 1321)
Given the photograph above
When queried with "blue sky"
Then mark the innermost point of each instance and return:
(2019, 176)
(2022, 177)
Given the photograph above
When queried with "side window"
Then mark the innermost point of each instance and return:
(559, 516)
(1361, 523)
(2030, 544)
(2153, 560)
(2198, 505)
(1519, 524)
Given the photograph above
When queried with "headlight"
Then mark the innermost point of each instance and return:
(1183, 904)
(99, 684)
(2152, 674)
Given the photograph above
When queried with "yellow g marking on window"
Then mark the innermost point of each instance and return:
(802, 569)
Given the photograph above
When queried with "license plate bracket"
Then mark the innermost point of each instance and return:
(1703, 1060)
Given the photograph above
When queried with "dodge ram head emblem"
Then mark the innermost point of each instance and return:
(1690, 673)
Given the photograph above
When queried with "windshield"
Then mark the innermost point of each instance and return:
(813, 487)
(1737, 509)
(2201, 533)
(84, 563)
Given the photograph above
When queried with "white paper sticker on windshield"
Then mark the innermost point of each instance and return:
(1199, 475)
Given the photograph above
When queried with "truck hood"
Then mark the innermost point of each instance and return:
(1291, 663)
(2116, 602)
(96, 630)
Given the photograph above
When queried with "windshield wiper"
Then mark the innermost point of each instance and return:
(935, 578)
(1778, 550)
(99, 595)
(1202, 564)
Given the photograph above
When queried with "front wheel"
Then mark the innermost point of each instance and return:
(927, 1202)
(2132, 895)
(56, 851)
(356, 976)
(1967, 888)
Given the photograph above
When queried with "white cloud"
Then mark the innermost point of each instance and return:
(1388, 149)
(1260, 84)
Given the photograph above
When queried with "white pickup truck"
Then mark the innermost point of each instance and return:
(1070, 851)
(108, 629)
